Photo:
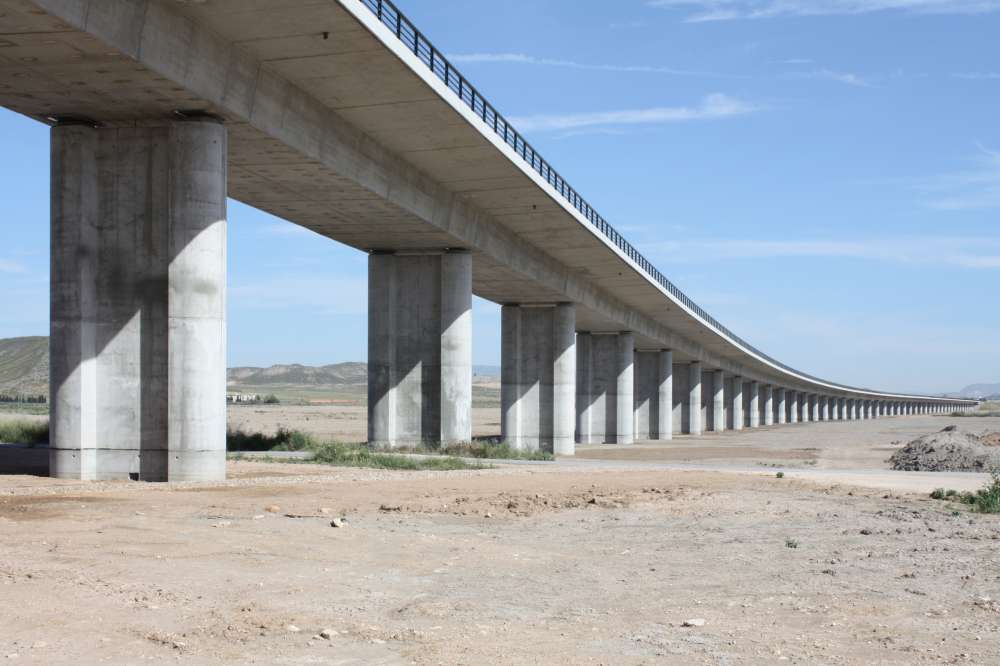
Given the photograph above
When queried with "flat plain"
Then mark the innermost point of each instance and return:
(599, 559)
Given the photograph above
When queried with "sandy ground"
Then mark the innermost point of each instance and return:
(344, 423)
(581, 561)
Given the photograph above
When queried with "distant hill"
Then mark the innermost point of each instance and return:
(338, 374)
(978, 391)
(24, 365)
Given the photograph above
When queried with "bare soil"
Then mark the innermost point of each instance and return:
(586, 561)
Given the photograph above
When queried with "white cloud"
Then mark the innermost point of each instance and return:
(727, 10)
(840, 77)
(525, 59)
(7, 266)
(963, 252)
(713, 107)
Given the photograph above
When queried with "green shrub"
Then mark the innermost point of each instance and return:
(780, 475)
(938, 493)
(24, 432)
(283, 440)
(987, 498)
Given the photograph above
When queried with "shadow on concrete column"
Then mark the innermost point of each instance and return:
(605, 385)
(419, 348)
(538, 377)
(138, 302)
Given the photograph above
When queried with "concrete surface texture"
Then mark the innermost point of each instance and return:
(419, 348)
(336, 124)
(138, 301)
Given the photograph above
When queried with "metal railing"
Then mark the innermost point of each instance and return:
(390, 16)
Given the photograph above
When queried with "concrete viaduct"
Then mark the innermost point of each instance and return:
(340, 116)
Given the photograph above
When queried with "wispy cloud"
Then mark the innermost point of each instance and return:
(977, 188)
(977, 76)
(729, 10)
(963, 252)
(525, 59)
(7, 266)
(323, 294)
(839, 77)
(714, 107)
(285, 229)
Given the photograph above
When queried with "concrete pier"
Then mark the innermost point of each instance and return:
(755, 404)
(419, 348)
(718, 401)
(737, 403)
(538, 377)
(653, 394)
(138, 302)
(695, 425)
(769, 405)
(605, 386)
(782, 406)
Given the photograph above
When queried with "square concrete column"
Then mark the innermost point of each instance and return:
(824, 408)
(605, 378)
(814, 407)
(718, 401)
(538, 377)
(737, 403)
(793, 406)
(695, 425)
(782, 406)
(419, 348)
(874, 409)
(857, 409)
(138, 302)
(769, 405)
(654, 380)
(754, 405)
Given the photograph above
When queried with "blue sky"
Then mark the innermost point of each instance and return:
(822, 176)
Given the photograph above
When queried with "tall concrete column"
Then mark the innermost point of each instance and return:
(824, 408)
(814, 407)
(769, 405)
(138, 302)
(718, 401)
(605, 388)
(653, 394)
(695, 425)
(665, 419)
(793, 406)
(538, 377)
(754, 404)
(419, 348)
(626, 386)
(737, 403)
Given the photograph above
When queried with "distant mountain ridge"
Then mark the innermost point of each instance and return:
(295, 374)
(991, 391)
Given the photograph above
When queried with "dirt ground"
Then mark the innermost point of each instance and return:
(585, 561)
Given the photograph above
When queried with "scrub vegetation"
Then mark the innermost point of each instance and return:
(24, 432)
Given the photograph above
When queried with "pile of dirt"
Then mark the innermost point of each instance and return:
(951, 450)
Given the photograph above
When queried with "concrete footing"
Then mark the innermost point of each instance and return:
(419, 348)
(138, 302)
(538, 377)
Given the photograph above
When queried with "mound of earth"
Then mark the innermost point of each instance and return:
(951, 450)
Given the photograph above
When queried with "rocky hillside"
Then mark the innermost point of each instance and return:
(24, 366)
